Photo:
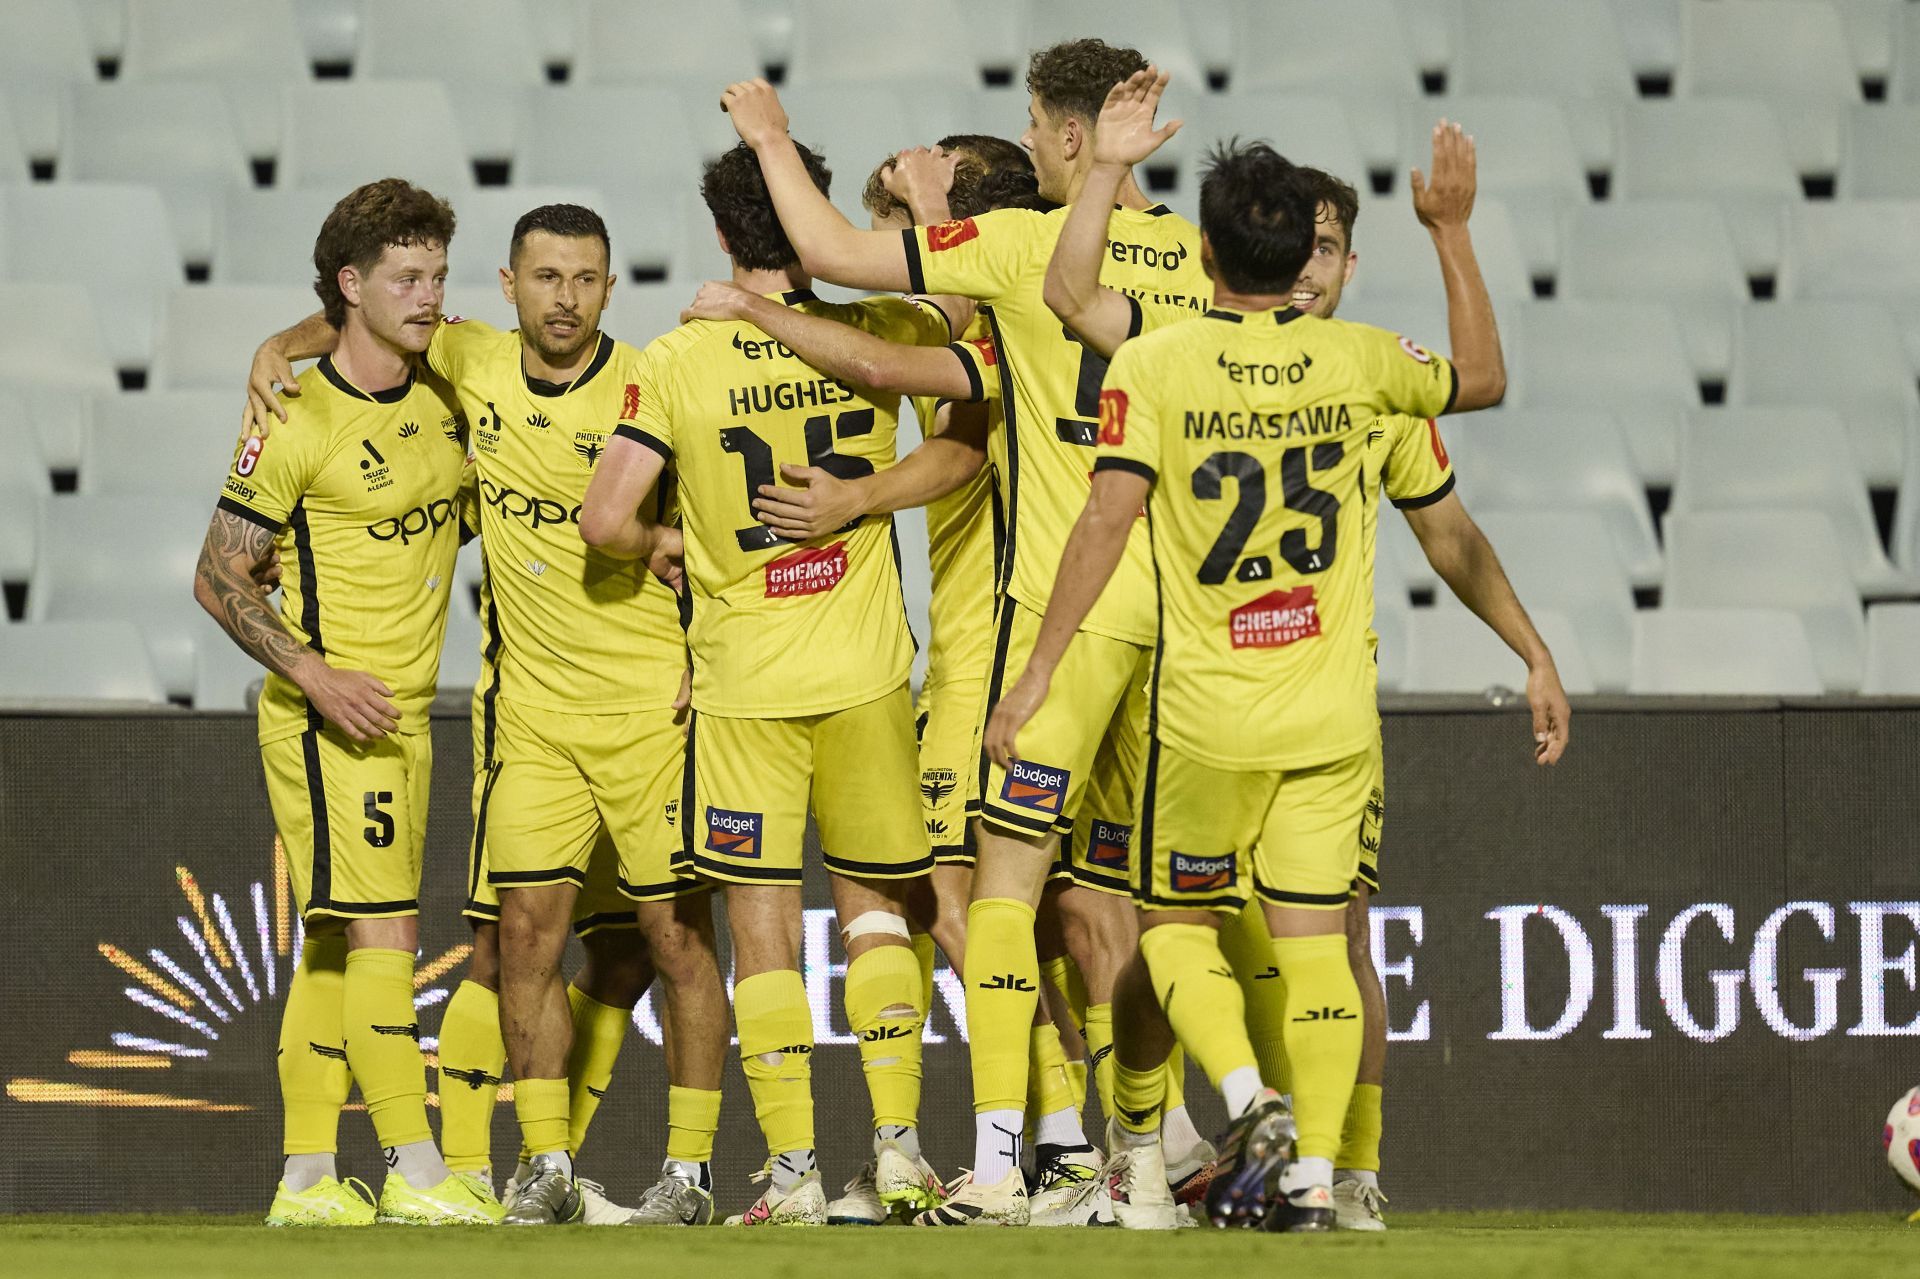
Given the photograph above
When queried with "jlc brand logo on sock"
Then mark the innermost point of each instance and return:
(1035, 786)
(732, 833)
(1108, 844)
(1202, 874)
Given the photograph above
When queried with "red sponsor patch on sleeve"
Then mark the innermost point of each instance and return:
(811, 570)
(1439, 449)
(249, 456)
(630, 403)
(988, 355)
(1415, 351)
(1276, 619)
(950, 234)
(1113, 416)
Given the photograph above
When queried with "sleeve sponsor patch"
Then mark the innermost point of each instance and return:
(1415, 351)
(1439, 449)
(1113, 416)
(951, 234)
(988, 356)
(630, 402)
(249, 455)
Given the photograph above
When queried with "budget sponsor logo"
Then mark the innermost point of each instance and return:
(1191, 874)
(808, 571)
(733, 833)
(1108, 843)
(1036, 786)
(1276, 619)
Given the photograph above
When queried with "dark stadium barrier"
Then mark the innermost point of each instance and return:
(1677, 972)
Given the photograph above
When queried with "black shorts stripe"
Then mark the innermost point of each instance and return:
(1143, 835)
(877, 870)
(677, 887)
(476, 856)
(731, 870)
(317, 802)
(1371, 878)
(996, 675)
(606, 919)
(685, 855)
(481, 910)
(994, 815)
(537, 878)
(1094, 879)
(489, 713)
(373, 908)
(1218, 902)
(1280, 897)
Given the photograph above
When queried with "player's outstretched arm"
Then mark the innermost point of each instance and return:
(229, 584)
(610, 519)
(1443, 204)
(1123, 137)
(272, 370)
(830, 247)
(1093, 551)
(1465, 560)
(814, 502)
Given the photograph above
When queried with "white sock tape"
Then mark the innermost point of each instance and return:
(876, 921)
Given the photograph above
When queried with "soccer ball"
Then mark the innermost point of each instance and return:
(1902, 1138)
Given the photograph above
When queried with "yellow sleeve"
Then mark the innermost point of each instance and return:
(984, 258)
(908, 321)
(1417, 471)
(1129, 438)
(980, 360)
(269, 476)
(1408, 378)
(645, 414)
(456, 343)
(1148, 316)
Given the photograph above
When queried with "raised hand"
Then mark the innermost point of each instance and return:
(1124, 134)
(719, 300)
(920, 172)
(1446, 199)
(271, 371)
(756, 112)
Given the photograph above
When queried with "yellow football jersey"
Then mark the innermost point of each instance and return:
(1051, 383)
(581, 631)
(362, 489)
(1253, 427)
(779, 629)
(963, 546)
(1407, 461)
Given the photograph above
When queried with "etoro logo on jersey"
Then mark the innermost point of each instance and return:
(1192, 874)
(1035, 786)
(736, 834)
(1276, 619)
(812, 570)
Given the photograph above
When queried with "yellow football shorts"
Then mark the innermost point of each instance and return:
(949, 727)
(600, 905)
(753, 781)
(1098, 852)
(352, 817)
(561, 781)
(1372, 824)
(1213, 838)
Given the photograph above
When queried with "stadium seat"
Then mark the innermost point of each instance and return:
(1306, 128)
(1626, 356)
(650, 42)
(1449, 650)
(49, 337)
(1650, 34)
(1729, 150)
(177, 138)
(122, 558)
(486, 220)
(1742, 459)
(162, 443)
(44, 47)
(841, 42)
(1397, 256)
(14, 166)
(251, 47)
(225, 678)
(24, 484)
(489, 43)
(340, 134)
(1572, 460)
(1906, 517)
(211, 332)
(1675, 251)
(1905, 85)
(1185, 40)
(1853, 249)
(330, 29)
(266, 237)
(1563, 562)
(1869, 26)
(639, 313)
(1846, 356)
(1893, 650)
(1433, 29)
(1569, 49)
(1370, 64)
(56, 662)
(1421, 316)
(1755, 652)
(1796, 49)
(855, 127)
(1786, 558)
(1881, 162)
(115, 241)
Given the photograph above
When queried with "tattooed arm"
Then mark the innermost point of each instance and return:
(227, 586)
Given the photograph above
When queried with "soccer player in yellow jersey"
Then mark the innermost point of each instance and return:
(579, 756)
(1052, 385)
(1263, 723)
(359, 495)
(800, 660)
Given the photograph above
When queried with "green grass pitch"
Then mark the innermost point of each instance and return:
(1422, 1245)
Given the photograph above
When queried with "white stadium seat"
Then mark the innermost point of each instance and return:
(1881, 162)
(211, 333)
(49, 336)
(1450, 650)
(483, 235)
(1397, 255)
(178, 138)
(1722, 652)
(1168, 35)
(123, 558)
(1869, 27)
(1568, 49)
(225, 678)
(340, 134)
(266, 237)
(855, 42)
(1371, 63)
(115, 241)
(1893, 650)
(1434, 30)
(1736, 459)
(489, 44)
(1421, 316)
(1650, 34)
(162, 443)
(44, 46)
(24, 484)
(330, 29)
(1783, 558)
(1795, 49)
(1853, 249)
(1906, 517)
(14, 166)
(251, 47)
(1563, 562)
(56, 662)
(1308, 129)
(1539, 460)
(1846, 356)
(649, 41)
(855, 127)
(1626, 357)
(1728, 150)
(639, 313)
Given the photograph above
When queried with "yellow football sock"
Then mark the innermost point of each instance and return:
(472, 1056)
(1176, 1078)
(383, 1043)
(927, 953)
(1064, 976)
(1360, 1139)
(598, 1031)
(1322, 1034)
(881, 987)
(776, 1050)
(1077, 1080)
(1138, 1097)
(1099, 1032)
(1049, 1090)
(1003, 989)
(314, 1079)
(1249, 948)
(693, 1117)
(1197, 991)
(541, 1105)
